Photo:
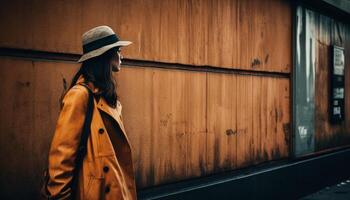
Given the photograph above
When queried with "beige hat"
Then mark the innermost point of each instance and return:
(99, 40)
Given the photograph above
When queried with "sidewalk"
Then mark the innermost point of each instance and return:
(341, 191)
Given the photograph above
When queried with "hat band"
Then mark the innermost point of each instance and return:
(100, 43)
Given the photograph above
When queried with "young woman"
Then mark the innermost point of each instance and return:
(106, 171)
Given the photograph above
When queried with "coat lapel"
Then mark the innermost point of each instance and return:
(114, 113)
(103, 106)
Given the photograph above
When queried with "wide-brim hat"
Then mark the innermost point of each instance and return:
(99, 40)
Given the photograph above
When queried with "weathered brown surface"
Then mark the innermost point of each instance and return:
(15, 132)
(244, 120)
(164, 113)
(190, 124)
(181, 124)
(231, 34)
(248, 120)
(28, 113)
(222, 122)
(330, 32)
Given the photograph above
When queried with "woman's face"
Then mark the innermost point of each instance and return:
(116, 61)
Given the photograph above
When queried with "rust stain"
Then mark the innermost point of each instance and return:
(260, 156)
(170, 171)
(151, 174)
(216, 155)
(276, 154)
(230, 132)
(266, 58)
(202, 166)
(266, 155)
(255, 63)
(287, 66)
(280, 114)
(180, 135)
(276, 115)
(241, 131)
(23, 84)
(64, 84)
(227, 165)
(164, 122)
(333, 141)
(286, 128)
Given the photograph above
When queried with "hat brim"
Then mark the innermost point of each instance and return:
(101, 50)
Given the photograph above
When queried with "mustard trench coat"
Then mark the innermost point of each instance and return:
(107, 170)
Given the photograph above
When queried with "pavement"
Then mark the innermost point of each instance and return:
(340, 191)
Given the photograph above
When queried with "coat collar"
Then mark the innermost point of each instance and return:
(102, 105)
(94, 89)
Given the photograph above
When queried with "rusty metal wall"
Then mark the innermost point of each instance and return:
(205, 89)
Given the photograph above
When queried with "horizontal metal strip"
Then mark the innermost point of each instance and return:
(51, 56)
(38, 55)
(205, 68)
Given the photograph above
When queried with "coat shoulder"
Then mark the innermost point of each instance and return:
(78, 94)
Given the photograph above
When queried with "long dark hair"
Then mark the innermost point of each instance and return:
(98, 71)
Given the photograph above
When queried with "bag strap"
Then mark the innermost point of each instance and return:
(82, 149)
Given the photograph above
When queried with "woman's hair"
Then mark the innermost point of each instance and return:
(98, 71)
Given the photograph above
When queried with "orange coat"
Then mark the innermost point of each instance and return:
(107, 170)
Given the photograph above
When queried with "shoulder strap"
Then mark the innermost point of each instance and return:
(87, 123)
(83, 141)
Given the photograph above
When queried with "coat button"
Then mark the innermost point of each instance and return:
(105, 169)
(101, 130)
(107, 189)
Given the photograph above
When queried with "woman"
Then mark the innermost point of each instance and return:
(106, 171)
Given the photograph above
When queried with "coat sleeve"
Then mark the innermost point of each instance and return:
(65, 142)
